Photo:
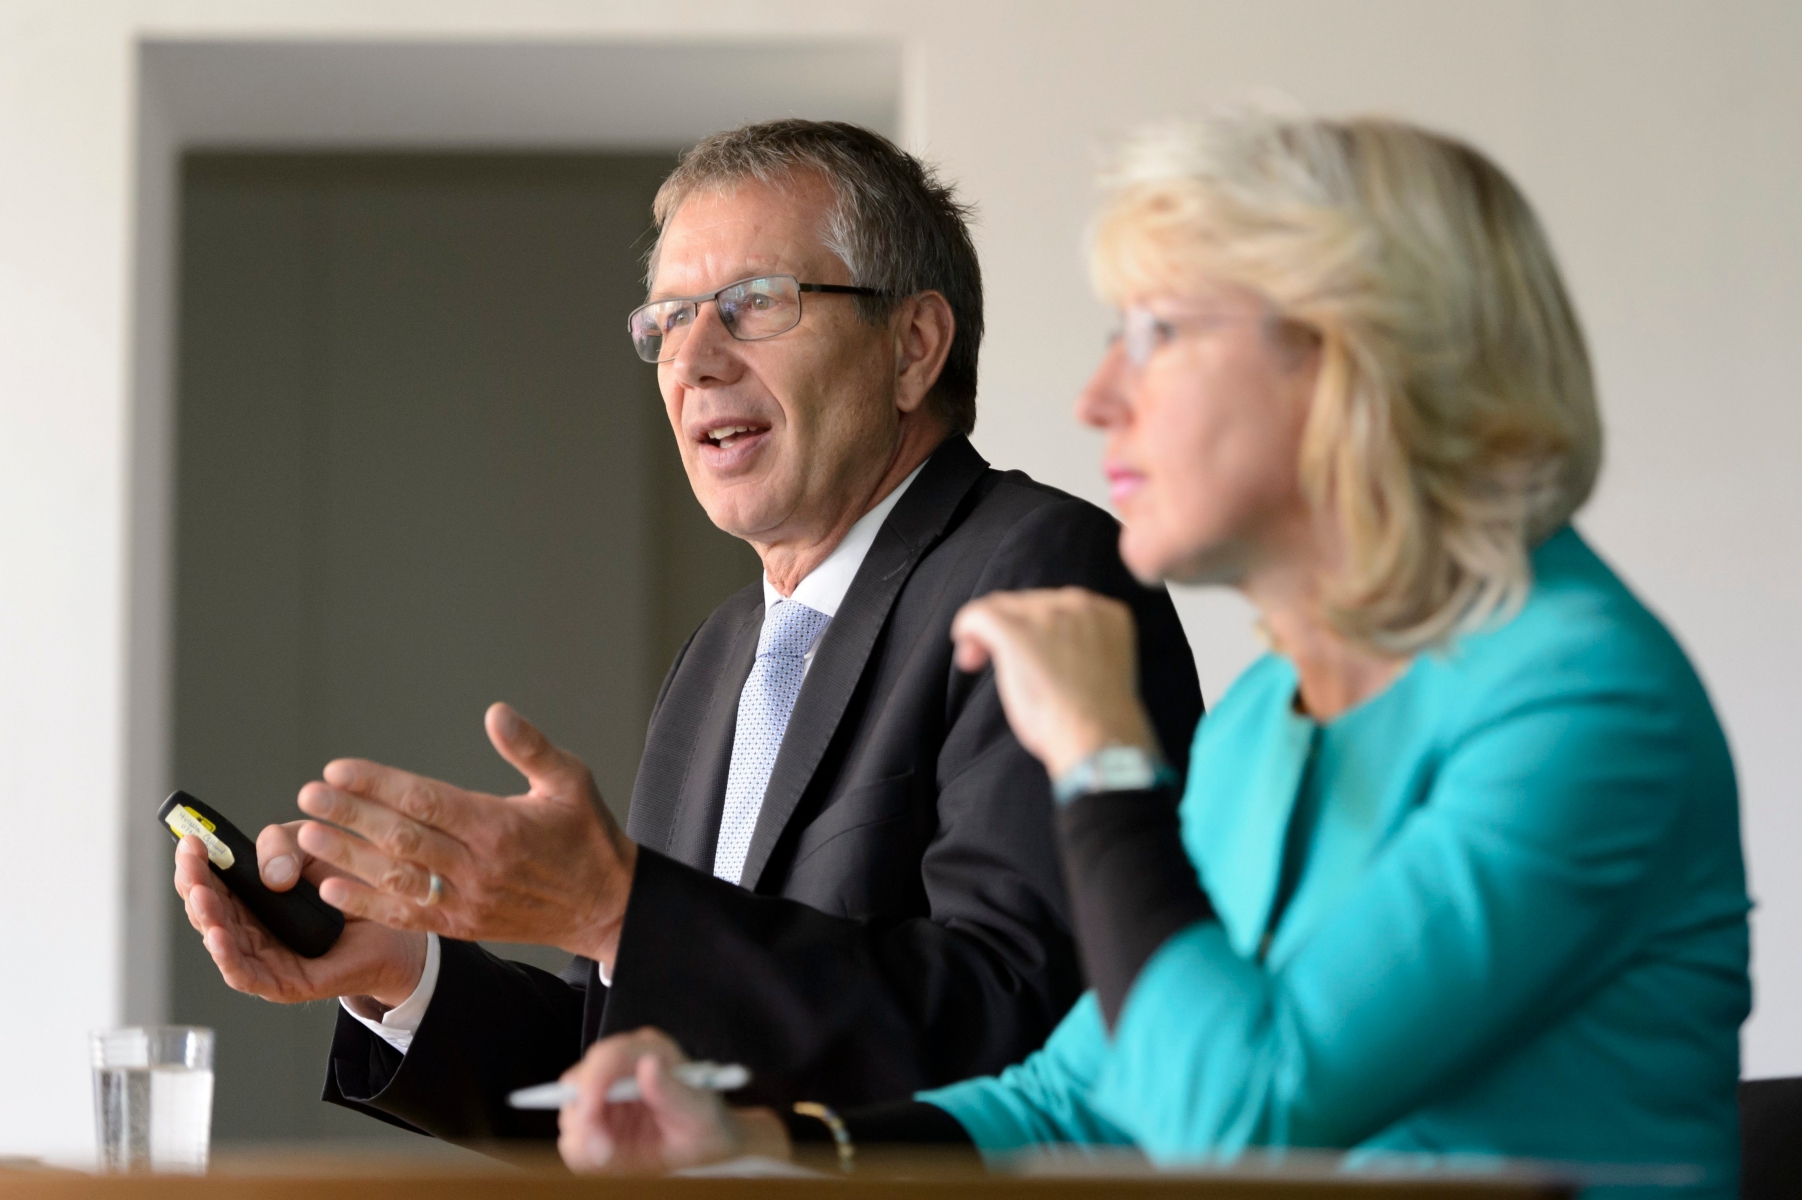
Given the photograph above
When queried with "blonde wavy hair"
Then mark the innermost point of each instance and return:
(1454, 425)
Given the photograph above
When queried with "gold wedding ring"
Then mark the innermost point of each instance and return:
(435, 892)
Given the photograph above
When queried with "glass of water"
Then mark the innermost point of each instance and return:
(153, 1097)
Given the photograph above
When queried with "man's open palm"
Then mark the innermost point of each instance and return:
(367, 959)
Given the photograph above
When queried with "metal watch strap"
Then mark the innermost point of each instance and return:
(1112, 769)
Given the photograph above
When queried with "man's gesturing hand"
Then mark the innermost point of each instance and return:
(550, 866)
(367, 960)
(1066, 665)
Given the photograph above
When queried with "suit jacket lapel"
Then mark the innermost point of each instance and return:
(916, 524)
(687, 829)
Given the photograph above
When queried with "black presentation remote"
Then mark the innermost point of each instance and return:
(303, 921)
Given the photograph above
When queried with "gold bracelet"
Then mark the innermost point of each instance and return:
(847, 1152)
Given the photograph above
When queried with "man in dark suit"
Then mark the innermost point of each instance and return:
(838, 868)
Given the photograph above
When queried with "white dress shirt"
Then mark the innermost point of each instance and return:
(823, 590)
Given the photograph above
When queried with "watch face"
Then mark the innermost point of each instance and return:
(1111, 769)
(1124, 768)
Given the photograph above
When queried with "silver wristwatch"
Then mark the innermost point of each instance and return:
(1112, 769)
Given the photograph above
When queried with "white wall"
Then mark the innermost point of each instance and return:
(1660, 141)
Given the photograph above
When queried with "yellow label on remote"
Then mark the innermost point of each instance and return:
(185, 821)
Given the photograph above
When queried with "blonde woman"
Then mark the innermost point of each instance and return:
(1457, 866)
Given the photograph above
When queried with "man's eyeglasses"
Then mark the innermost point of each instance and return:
(751, 310)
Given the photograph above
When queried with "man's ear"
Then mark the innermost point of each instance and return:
(924, 329)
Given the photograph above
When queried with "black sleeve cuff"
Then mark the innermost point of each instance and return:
(492, 1026)
(360, 1067)
(1131, 884)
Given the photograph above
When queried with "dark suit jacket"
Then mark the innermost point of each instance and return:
(902, 921)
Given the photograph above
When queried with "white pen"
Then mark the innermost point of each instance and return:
(708, 1076)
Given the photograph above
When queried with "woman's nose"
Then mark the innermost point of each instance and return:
(1102, 402)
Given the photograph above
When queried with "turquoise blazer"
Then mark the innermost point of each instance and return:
(1515, 918)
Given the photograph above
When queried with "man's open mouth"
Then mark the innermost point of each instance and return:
(726, 436)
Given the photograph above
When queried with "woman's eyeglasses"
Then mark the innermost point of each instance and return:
(1143, 333)
(751, 310)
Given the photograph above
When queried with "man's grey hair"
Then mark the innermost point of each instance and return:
(896, 225)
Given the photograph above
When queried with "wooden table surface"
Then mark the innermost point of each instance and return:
(292, 1175)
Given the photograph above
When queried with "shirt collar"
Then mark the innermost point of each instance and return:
(823, 589)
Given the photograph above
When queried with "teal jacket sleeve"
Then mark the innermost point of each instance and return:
(1041, 1100)
(1520, 885)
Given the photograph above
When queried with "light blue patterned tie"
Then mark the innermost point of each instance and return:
(763, 707)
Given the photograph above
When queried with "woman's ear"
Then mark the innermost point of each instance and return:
(1297, 344)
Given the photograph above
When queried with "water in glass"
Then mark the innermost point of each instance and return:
(153, 1098)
